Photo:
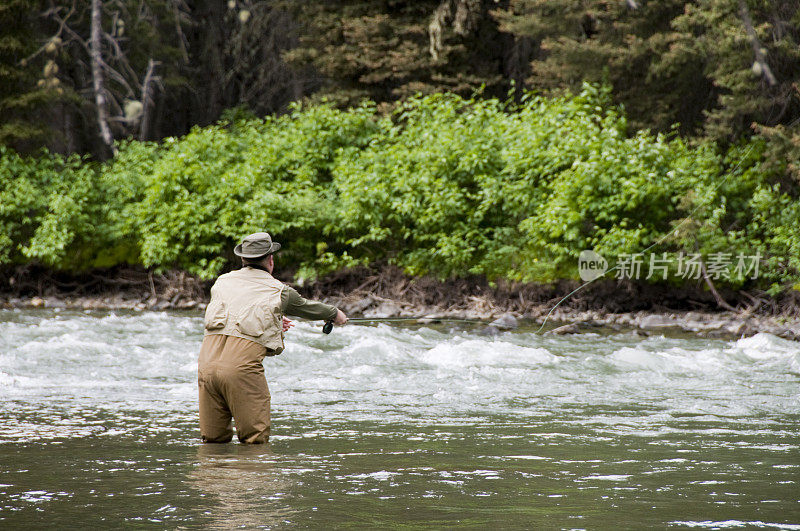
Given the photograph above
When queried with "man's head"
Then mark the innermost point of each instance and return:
(257, 248)
(267, 262)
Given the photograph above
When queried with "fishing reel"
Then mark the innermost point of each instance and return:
(327, 327)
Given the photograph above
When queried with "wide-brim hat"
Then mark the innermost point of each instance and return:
(256, 245)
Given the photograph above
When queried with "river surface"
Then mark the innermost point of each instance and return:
(403, 427)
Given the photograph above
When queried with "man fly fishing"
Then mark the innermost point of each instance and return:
(244, 322)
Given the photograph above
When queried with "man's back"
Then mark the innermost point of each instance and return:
(247, 303)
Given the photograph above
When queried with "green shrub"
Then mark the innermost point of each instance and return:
(49, 208)
(444, 186)
(217, 184)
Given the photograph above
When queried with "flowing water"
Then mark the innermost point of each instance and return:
(377, 426)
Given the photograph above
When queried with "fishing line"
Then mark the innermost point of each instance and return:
(657, 242)
(423, 318)
(328, 326)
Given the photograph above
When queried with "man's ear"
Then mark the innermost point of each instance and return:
(271, 260)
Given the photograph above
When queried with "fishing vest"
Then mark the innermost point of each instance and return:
(246, 303)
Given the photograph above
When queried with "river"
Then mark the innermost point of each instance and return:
(390, 426)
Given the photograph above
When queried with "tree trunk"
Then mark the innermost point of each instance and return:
(211, 35)
(147, 101)
(95, 43)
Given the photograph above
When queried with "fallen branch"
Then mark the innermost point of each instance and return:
(717, 297)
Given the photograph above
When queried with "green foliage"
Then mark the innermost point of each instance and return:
(444, 186)
(23, 103)
(49, 210)
(716, 68)
(422, 194)
(744, 92)
(671, 61)
(217, 184)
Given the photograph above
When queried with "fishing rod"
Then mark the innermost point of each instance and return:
(328, 326)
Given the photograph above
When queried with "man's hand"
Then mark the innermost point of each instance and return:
(340, 319)
(287, 324)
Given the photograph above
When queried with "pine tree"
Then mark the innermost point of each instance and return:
(388, 49)
(29, 86)
(236, 59)
(751, 55)
(616, 42)
(714, 67)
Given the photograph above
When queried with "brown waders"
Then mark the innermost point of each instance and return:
(232, 384)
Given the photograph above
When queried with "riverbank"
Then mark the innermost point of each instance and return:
(387, 292)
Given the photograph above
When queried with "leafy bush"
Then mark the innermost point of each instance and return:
(444, 186)
(49, 208)
(213, 186)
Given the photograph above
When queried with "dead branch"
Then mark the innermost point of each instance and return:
(147, 100)
(182, 40)
(62, 23)
(717, 297)
(761, 60)
(755, 304)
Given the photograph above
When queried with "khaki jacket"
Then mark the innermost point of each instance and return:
(246, 303)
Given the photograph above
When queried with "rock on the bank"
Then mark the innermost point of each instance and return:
(384, 309)
(657, 321)
(572, 328)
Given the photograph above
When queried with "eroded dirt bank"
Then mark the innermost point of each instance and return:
(387, 292)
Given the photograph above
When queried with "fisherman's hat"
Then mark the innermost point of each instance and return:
(256, 245)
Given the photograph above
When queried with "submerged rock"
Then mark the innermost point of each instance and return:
(489, 331)
(505, 322)
(657, 321)
(50, 302)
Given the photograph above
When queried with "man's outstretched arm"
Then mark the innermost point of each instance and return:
(292, 303)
